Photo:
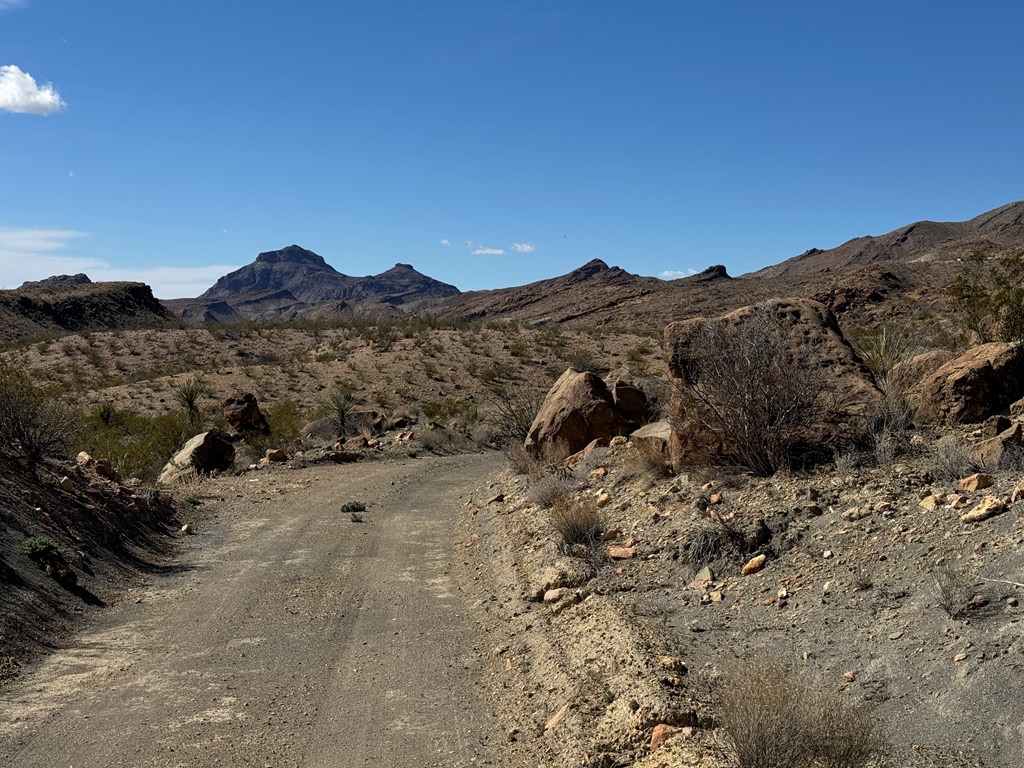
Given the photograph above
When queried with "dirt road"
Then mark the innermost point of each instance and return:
(286, 635)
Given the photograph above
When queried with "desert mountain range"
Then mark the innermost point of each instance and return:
(898, 276)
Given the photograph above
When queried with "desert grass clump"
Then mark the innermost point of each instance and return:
(649, 458)
(577, 523)
(354, 510)
(953, 589)
(522, 462)
(952, 460)
(551, 489)
(772, 717)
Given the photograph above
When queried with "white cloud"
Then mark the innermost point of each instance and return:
(675, 274)
(446, 242)
(524, 247)
(6, 5)
(489, 252)
(19, 92)
(34, 254)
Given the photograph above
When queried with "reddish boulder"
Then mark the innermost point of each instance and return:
(243, 414)
(984, 381)
(203, 454)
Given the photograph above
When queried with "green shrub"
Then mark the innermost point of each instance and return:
(34, 419)
(138, 444)
(40, 549)
(988, 295)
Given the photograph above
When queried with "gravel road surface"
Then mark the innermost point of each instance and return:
(285, 635)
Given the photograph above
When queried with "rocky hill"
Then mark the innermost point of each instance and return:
(53, 307)
(996, 233)
(296, 283)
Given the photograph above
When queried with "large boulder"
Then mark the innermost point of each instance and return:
(202, 454)
(800, 344)
(907, 376)
(579, 408)
(982, 382)
(243, 414)
(629, 399)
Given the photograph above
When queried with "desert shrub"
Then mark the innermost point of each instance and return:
(512, 411)
(40, 549)
(339, 407)
(576, 521)
(522, 462)
(188, 393)
(953, 589)
(438, 440)
(551, 489)
(988, 295)
(882, 348)
(584, 360)
(137, 444)
(710, 541)
(452, 409)
(772, 717)
(952, 459)
(752, 393)
(32, 418)
(648, 457)
(354, 509)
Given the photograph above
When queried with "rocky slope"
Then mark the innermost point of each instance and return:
(54, 308)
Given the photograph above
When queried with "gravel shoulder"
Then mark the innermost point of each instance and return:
(286, 635)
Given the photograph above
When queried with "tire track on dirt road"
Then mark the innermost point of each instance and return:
(286, 636)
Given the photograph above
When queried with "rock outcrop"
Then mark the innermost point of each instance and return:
(243, 414)
(578, 409)
(984, 381)
(207, 452)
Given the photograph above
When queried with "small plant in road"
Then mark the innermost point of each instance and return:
(354, 509)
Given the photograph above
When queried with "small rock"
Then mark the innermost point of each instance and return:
(715, 498)
(275, 454)
(827, 554)
(603, 499)
(988, 507)
(554, 595)
(755, 564)
(621, 553)
(849, 676)
(976, 482)
(557, 718)
(612, 533)
(84, 459)
(496, 499)
(187, 529)
(663, 733)
(599, 472)
(932, 501)
(617, 441)
(703, 578)
(673, 664)
(962, 656)
(66, 484)
(856, 513)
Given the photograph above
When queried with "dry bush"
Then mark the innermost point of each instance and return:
(953, 589)
(576, 522)
(710, 541)
(952, 460)
(751, 393)
(522, 462)
(512, 411)
(650, 460)
(773, 717)
(551, 489)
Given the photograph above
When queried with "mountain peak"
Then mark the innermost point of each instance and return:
(293, 254)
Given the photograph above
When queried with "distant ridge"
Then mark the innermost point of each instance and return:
(311, 280)
(996, 233)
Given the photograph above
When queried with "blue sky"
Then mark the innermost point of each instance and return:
(173, 141)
